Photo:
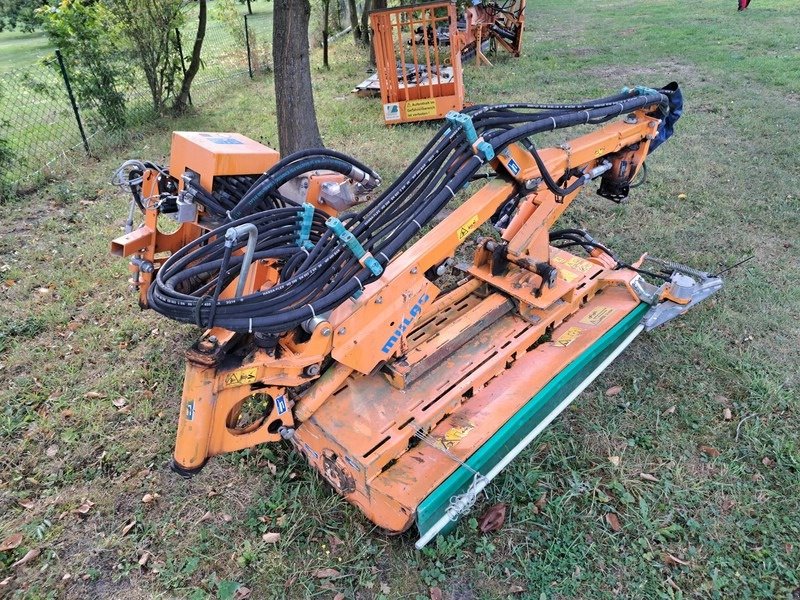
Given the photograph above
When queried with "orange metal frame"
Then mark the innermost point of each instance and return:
(396, 47)
(405, 357)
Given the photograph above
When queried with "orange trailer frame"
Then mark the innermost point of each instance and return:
(420, 94)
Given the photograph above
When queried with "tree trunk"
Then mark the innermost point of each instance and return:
(326, 17)
(365, 23)
(182, 100)
(249, 8)
(375, 5)
(294, 98)
(353, 14)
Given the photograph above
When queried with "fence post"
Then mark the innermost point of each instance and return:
(72, 99)
(183, 62)
(247, 42)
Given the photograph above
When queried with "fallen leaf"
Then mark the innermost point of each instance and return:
(272, 468)
(614, 460)
(43, 290)
(281, 521)
(648, 477)
(120, 402)
(11, 542)
(51, 451)
(6, 581)
(148, 498)
(727, 414)
(385, 589)
(516, 589)
(767, 461)
(709, 451)
(436, 593)
(614, 390)
(681, 196)
(26, 504)
(271, 537)
(325, 573)
(205, 517)
(613, 522)
(670, 410)
(339, 596)
(30, 556)
(721, 399)
(84, 508)
(242, 593)
(93, 395)
(541, 501)
(227, 518)
(673, 561)
(128, 527)
(144, 558)
(493, 518)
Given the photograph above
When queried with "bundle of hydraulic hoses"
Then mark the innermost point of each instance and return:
(318, 267)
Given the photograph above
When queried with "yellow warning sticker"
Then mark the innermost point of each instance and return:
(567, 275)
(569, 336)
(599, 152)
(598, 315)
(455, 435)
(579, 264)
(241, 377)
(421, 108)
(558, 259)
(467, 228)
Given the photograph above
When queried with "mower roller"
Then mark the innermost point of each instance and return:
(409, 354)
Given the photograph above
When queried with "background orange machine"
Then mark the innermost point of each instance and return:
(420, 77)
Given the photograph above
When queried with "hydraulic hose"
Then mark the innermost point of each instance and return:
(320, 272)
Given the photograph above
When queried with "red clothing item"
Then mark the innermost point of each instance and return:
(743, 4)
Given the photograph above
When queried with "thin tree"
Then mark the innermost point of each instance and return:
(373, 5)
(365, 22)
(294, 97)
(182, 99)
(355, 29)
(326, 19)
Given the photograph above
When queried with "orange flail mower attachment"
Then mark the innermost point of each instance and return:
(409, 395)
(420, 77)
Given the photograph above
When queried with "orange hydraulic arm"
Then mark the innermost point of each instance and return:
(356, 334)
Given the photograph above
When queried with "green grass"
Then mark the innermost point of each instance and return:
(19, 49)
(72, 341)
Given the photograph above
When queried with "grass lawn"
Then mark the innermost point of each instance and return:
(92, 385)
(20, 49)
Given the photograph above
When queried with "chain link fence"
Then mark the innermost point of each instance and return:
(42, 121)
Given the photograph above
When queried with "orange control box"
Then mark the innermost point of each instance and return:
(213, 154)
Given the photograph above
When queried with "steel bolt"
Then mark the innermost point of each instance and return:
(311, 370)
(326, 332)
(342, 331)
(414, 271)
(379, 300)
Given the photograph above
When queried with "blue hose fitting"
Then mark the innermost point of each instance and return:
(639, 90)
(349, 240)
(306, 217)
(462, 121)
